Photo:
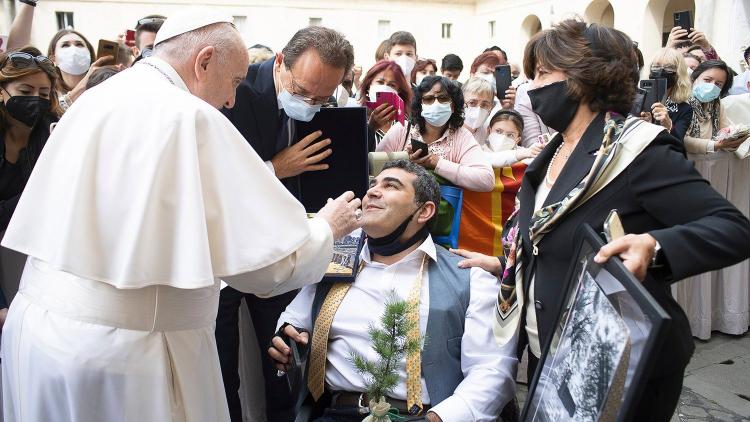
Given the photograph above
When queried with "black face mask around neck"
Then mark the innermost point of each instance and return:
(390, 245)
(554, 105)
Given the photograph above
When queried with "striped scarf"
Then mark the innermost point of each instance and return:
(711, 112)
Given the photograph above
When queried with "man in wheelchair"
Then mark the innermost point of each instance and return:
(462, 373)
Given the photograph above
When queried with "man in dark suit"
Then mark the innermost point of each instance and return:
(292, 86)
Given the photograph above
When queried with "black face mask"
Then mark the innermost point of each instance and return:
(390, 245)
(671, 77)
(27, 109)
(554, 105)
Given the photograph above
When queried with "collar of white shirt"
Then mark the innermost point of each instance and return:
(427, 247)
(167, 70)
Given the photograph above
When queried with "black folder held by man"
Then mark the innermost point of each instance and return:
(347, 165)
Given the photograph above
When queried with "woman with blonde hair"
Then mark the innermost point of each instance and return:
(675, 114)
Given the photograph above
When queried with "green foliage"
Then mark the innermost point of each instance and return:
(391, 343)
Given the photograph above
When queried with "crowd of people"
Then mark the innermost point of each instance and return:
(150, 220)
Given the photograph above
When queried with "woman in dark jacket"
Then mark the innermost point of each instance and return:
(584, 81)
(29, 106)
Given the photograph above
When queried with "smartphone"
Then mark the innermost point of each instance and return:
(419, 145)
(295, 373)
(395, 101)
(613, 228)
(108, 48)
(503, 80)
(638, 102)
(683, 20)
(130, 38)
(656, 90)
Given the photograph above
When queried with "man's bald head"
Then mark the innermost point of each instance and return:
(211, 60)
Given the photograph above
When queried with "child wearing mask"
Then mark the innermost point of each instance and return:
(502, 145)
(402, 49)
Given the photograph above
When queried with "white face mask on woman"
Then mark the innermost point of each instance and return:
(475, 116)
(73, 60)
(489, 77)
(499, 142)
(372, 94)
(437, 114)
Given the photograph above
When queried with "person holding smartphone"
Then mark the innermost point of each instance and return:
(384, 76)
(675, 113)
(451, 151)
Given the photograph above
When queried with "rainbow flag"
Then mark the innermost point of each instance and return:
(483, 214)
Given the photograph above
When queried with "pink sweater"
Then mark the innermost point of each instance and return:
(461, 161)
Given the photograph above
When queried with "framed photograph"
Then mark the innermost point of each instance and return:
(594, 366)
(344, 264)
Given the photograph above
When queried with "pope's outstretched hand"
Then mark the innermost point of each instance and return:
(341, 214)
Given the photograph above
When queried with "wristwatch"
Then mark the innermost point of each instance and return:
(31, 3)
(657, 257)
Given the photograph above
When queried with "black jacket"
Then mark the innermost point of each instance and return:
(256, 112)
(257, 116)
(681, 120)
(13, 177)
(659, 193)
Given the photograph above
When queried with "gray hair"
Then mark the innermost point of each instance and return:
(426, 188)
(222, 36)
(479, 87)
(332, 47)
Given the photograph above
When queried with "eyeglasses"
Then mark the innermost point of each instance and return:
(308, 100)
(146, 21)
(442, 99)
(23, 60)
(487, 105)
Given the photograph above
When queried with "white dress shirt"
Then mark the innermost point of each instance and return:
(488, 369)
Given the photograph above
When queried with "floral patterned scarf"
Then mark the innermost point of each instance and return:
(545, 218)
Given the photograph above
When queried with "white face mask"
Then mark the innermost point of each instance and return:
(375, 88)
(475, 116)
(500, 142)
(406, 64)
(437, 114)
(73, 60)
(489, 77)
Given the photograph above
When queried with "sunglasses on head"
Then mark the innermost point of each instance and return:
(23, 60)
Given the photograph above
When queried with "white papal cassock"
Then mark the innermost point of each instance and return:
(143, 198)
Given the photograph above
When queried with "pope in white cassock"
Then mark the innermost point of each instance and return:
(144, 197)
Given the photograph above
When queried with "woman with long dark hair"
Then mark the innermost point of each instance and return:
(28, 108)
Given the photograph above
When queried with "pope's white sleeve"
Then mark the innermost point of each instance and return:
(306, 265)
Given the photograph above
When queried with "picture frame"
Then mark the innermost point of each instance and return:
(594, 365)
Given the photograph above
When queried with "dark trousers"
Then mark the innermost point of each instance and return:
(658, 400)
(264, 314)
